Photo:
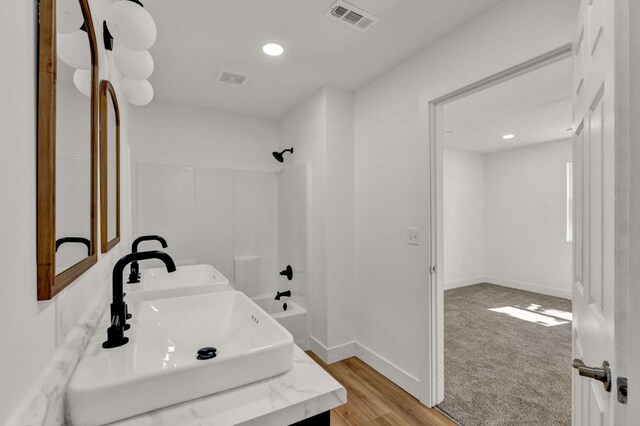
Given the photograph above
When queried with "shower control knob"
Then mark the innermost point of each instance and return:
(288, 272)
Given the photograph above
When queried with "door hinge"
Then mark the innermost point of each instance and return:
(622, 383)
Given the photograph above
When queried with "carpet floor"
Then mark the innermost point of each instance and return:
(507, 357)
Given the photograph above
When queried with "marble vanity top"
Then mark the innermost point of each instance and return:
(302, 392)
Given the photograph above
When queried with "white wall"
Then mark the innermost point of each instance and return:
(321, 132)
(526, 211)
(32, 330)
(340, 218)
(505, 216)
(391, 164)
(464, 217)
(304, 128)
(181, 135)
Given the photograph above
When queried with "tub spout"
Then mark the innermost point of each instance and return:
(283, 294)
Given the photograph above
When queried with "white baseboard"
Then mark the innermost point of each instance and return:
(463, 283)
(333, 354)
(535, 288)
(519, 285)
(319, 349)
(392, 372)
(344, 351)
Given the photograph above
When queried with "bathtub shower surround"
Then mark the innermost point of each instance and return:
(291, 315)
(293, 222)
(211, 216)
(248, 224)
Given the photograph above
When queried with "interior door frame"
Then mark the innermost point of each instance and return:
(432, 371)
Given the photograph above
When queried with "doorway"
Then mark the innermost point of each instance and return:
(502, 160)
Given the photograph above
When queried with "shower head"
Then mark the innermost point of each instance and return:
(279, 156)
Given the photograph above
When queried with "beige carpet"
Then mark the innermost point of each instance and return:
(506, 367)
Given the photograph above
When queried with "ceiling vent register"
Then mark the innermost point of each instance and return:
(351, 16)
(232, 78)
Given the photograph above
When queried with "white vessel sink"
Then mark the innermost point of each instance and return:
(159, 365)
(157, 283)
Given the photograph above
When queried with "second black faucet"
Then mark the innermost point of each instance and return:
(134, 275)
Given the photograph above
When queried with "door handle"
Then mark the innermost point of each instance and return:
(601, 374)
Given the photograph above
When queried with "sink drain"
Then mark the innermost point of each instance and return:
(206, 353)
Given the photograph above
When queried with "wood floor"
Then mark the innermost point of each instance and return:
(372, 399)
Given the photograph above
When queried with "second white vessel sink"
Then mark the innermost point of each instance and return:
(157, 283)
(160, 365)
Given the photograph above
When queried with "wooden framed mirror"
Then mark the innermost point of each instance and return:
(109, 167)
(67, 144)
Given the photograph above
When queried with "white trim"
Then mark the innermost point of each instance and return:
(464, 283)
(344, 351)
(535, 288)
(334, 354)
(431, 344)
(319, 349)
(397, 375)
(391, 371)
(518, 285)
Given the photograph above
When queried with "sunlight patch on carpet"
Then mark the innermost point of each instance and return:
(529, 316)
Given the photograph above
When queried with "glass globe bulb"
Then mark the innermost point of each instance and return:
(82, 81)
(131, 25)
(137, 92)
(135, 64)
(68, 16)
(73, 49)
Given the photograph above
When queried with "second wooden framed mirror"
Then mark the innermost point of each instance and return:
(109, 167)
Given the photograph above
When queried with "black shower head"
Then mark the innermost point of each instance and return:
(280, 155)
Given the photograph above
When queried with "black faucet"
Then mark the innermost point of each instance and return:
(283, 294)
(119, 313)
(134, 275)
(82, 240)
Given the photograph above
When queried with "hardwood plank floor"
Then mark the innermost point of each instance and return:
(372, 399)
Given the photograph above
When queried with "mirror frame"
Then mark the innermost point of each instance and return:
(106, 89)
(49, 284)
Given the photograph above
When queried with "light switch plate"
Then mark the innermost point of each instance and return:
(413, 236)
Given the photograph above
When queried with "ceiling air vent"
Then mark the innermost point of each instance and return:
(232, 78)
(351, 16)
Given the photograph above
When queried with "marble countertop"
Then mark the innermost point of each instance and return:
(302, 392)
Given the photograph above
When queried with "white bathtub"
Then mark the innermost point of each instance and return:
(293, 318)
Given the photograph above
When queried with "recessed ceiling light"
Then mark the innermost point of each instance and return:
(273, 49)
(509, 136)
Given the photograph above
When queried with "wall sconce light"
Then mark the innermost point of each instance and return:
(128, 32)
(135, 32)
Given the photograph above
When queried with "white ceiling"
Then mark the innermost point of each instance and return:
(199, 38)
(535, 107)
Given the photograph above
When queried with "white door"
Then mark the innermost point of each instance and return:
(594, 196)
